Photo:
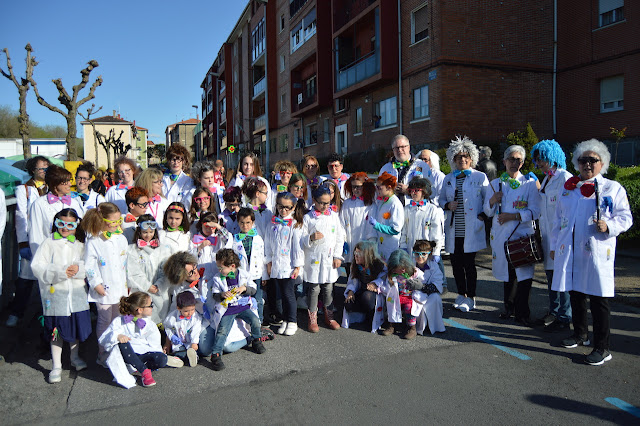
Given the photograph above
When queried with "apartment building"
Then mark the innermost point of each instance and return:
(182, 132)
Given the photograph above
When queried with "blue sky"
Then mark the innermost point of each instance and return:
(153, 55)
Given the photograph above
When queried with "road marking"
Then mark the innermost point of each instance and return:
(624, 406)
(488, 340)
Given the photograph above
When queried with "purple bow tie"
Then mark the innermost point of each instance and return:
(139, 321)
(199, 239)
(66, 199)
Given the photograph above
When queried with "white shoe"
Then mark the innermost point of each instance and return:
(458, 301)
(292, 327)
(282, 327)
(78, 364)
(464, 306)
(12, 321)
(192, 357)
(471, 302)
(55, 376)
(174, 361)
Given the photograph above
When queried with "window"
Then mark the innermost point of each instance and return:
(297, 140)
(235, 76)
(359, 120)
(325, 133)
(284, 143)
(282, 23)
(309, 23)
(310, 134)
(310, 87)
(612, 94)
(235, 48)
(235, 102)
(386, 114)
(283, 102)
(272, 145)
(296, 37)
(421, 102)
(223, 110)
(282, 63)
(258, 40)
(341, 105)
(611, 11)
(303, 30)
(419, 24)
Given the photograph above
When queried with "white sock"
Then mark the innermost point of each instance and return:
(56, 353)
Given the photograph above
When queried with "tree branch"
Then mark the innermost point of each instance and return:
(10, 76)
(41, 100)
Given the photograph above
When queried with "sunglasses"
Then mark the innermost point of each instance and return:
(297, 188)
(201, 199)
(285, 208)
(113, 222)
(590, 160)
(192, 272)
(354, 187)
(148, 224)
(421, 253)
(69, 225)
(461, 156)
(150, 305)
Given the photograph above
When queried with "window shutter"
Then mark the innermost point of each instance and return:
(607, 5)
(612, 89)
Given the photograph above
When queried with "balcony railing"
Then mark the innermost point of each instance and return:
(260, 123)
(363, 68)
(350, 9)
(295, 6)
(306, 101)
(259, 87)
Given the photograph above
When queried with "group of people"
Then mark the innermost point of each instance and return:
(183, 265)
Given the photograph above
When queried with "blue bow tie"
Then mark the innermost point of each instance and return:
(83, 197)
(457, 173)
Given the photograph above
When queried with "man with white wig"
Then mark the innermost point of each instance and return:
(591, 212)
(435, 176)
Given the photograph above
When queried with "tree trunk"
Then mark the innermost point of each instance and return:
(72, 151)
(23, 119)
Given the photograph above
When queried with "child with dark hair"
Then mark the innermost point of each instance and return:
(257, 192)
(137, 200)
(210, 237)
(88, 198)
(59, 267)
(360, 193)
(423, 220)
(201, 202)
(183, 327)
(137, 339)
(145, 257)
(232, 201)
(176, 228)
(175, 182)
(428, 299)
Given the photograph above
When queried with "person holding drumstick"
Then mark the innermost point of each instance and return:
(514, 206)
(591, 212)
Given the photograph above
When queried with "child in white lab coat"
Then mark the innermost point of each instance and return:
(183, 326)
(429, 296)
(176, 228)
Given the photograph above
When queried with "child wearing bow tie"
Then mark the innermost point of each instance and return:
(428, 299)
(232, 201)
(145, 257)
(358, 204)
(176, 228)
(389, 217)
(210, 237)
(423, 220)
(137, 338)
(183, 326)
(105, 261)
(256, 192)
(59, 267)
(137, 202)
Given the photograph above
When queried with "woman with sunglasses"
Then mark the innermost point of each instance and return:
(144, 259)
(59, 267)
(591, 212)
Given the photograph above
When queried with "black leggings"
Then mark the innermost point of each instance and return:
(288, 294)
(601, 314)
(365, 301)
(516, 295)
(464, 269)
(150, 360)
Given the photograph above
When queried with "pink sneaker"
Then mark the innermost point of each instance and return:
(147, 379)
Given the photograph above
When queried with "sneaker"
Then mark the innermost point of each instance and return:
(598, 357)
(267, 334)
(192, 357)
(458, 301)
(468, 304)
(147, 378)
(575, 341)
(546, 320)
(102, 362)
(258, 347)
(292, 327)
(78, 364)
(174, 361)
(216, 362)
(55, 376)
(556, 326)
(12, 321)
(275, 319)
(282, 328)
(471, 301)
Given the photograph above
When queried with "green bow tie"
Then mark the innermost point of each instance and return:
(108, 234)
(71, 238)
(251, 233)
(513, 183)
(399, 165)
(179, 228)
(231, 275)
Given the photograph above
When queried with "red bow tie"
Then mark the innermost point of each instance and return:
(385, 199)
(143, 243)
(183, 317)
(418, 203)
(155, 198)
(316, 213)
(130, 218)
(123, 186)
(357, 198)
(586, 188)
(334, 208)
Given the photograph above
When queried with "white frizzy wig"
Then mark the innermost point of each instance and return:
(595, 146)
(514, 148)
(459, 145)
(435, 161)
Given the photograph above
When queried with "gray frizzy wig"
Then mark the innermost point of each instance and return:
(199, 168)
(459, 145)
(174, 266)
(596, 146)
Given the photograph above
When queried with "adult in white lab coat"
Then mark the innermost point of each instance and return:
(403, 166)
(175, 182)
(549, 157)
(514, 206)
(127, 171)
(435, 176)
(462, 198)
(335, 164)
(590, 213)
(26, 195)
(87, 197)
(151, 180)
(249, 166)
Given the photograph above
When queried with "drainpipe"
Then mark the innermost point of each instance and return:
(555, 64)
(400, 69)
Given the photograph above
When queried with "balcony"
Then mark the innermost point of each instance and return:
(259, 87)
(295, 6)
(306, 101)
(359, 70)
(349, 9)
(259, 124)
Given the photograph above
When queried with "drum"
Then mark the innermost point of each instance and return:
(524, 251)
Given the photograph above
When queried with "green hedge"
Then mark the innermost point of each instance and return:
(629, 177)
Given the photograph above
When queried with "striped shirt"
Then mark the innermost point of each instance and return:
(459, 212)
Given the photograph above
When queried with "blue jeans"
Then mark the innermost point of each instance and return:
(559, 301)
(260, 299)
(150, 360)
(208, 336)
(226, 322)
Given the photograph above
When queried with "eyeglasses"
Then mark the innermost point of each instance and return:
(414, 190)
(421, 253)
(264, 192)
(122, 172)
(69, 225)
(590, 160)
(232, 205)
(41, 169)
(284, 173)
(192, 272)
(356, 187)
(82, 179)
(201, 199)
(334, 166)
(208, 225)
(515, 160)
(142, 205)
(297, 188)
(311, 166)
(176, 159)
(148, 224)
(459, 157)
(285, 208)
(66, 182)
(319, 203)
(113, 222)
(150, 306)
(401, 147)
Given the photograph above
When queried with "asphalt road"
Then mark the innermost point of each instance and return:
(482, 370)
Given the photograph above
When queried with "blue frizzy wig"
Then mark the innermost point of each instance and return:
(550, 151)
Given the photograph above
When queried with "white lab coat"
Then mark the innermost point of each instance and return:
(283, 250)
(239, 181)
(175, 240)
(175, 191)
(423, 223)
(256, 266)
(116, 196)
(353, 284)
(474, 191)
(128, 228)
(394, 210)
(219, 285)
(157, 209)
(144, 269)
(94, 200)
(417, 168)
(41, 215)
(319, 254)
(187, 329)
(584, 257)
(548, 199)
(430, 304)
(230, 224)
(263, 219)
(105, 263)
(23, 205)
(353, 216)
(49, 265)
(436, 177)
(524, 200)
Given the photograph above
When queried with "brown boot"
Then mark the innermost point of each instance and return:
(411, 333)
(329, 321)
(313, 322)
(389, 330)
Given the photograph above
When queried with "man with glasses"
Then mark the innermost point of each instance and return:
(404, 166)
(335, 166)
(87, 197)
(175, 182)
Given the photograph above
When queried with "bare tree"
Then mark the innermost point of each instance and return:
(71, 103)
(23, 88)
(119, 148)
(95, 132)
